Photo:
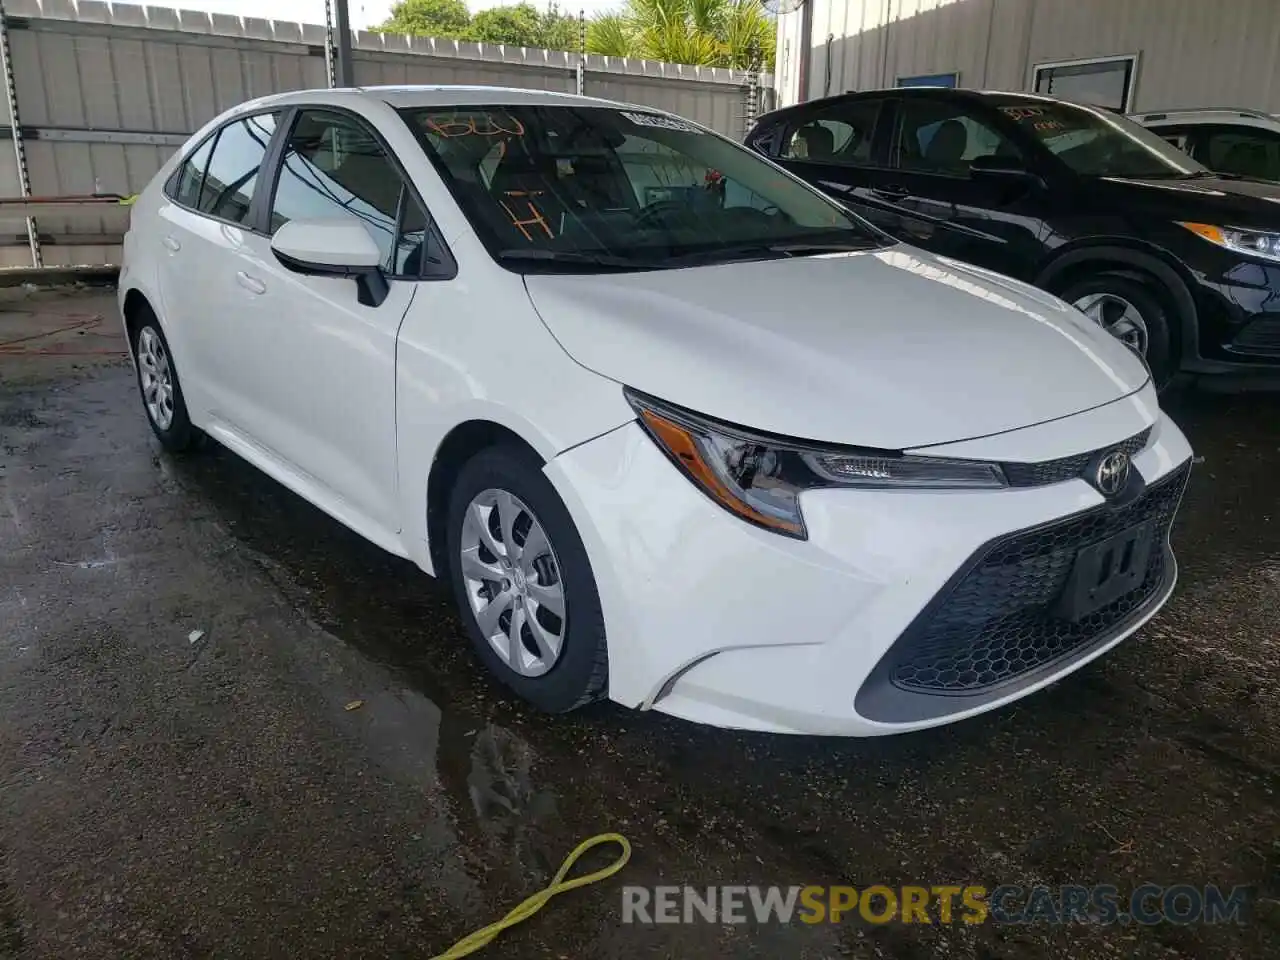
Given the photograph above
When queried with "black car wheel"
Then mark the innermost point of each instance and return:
(1128, 309)
(524, 583)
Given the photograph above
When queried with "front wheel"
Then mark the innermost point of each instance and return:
(523, 582)
(1128, 310)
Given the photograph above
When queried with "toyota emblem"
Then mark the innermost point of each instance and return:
(1112, 473)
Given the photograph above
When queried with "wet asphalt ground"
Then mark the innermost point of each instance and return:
(171, 794)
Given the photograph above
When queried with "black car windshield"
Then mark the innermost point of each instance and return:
(1095, 142)
(589, 189)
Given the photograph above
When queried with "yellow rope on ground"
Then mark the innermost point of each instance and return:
(484, 936)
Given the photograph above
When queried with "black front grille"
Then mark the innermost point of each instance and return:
(1065, 468)
(998, 620)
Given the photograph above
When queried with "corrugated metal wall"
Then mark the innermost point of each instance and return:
(137, 80)
(1191, 52)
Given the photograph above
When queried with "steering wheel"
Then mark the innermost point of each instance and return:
(659, 211)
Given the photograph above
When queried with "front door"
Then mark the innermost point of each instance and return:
(835, 148)
(332, 388)
(992, 222)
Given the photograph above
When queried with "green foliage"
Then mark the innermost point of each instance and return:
(429, 18)
(519, 25)
(720, 33)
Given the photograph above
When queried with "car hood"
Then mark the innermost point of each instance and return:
(891, 348)
(1227, 201)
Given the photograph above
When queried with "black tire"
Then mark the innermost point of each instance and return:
(580, 675)
(1161, 355)
(180, 436)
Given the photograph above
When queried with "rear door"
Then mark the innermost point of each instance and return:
(992, 222)
(204, 230)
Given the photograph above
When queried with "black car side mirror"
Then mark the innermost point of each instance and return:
(1006, 169)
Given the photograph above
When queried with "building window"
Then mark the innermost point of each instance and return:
(931, 80)
(1102, 81)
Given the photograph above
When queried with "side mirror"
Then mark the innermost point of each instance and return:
(1008, 169)
(333, 248)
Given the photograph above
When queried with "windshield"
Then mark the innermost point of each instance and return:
(597, 188)
(1098, 143)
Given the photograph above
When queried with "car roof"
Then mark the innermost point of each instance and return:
(1205, 115)
(993, 97)
(435, 95)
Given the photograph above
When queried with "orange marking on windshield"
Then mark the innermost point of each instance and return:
(536, 218)
(484, 126)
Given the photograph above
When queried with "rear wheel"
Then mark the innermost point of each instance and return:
(1130, 311)
(160, 389)
(523, 582)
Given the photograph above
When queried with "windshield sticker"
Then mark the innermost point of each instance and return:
(661, 122)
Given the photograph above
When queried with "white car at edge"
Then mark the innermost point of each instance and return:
(680, 431)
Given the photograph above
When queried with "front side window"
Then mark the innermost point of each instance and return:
(840, 134)
(227, 190)
(334, 167)
(944, 137)
(605, 188)
(1243, 151)
(1095, 142)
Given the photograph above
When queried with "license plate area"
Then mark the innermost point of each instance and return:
(1105, 571)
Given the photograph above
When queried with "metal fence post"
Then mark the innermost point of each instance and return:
(19, 150)
(582, 52)
(752, 92)
(328, 44)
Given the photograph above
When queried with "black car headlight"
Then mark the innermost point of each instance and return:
(759, 477)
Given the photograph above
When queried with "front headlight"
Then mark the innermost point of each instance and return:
(1255, 243)
(759, 477)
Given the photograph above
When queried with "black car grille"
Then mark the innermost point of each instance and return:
(1065, 468)
(998, 620)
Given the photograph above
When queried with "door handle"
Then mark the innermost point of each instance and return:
(172, 243)
(252, 284)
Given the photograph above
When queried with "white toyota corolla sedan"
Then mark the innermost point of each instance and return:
(680, 431)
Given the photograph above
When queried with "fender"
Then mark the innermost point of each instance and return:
(1151, 261)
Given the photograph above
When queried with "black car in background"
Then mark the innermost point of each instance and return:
(1180, 263)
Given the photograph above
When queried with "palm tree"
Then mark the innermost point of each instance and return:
(721, 33)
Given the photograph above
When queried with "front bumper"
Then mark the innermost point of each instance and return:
(714, 620)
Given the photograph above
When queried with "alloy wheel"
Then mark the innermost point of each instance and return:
(1118, 317)
(512, 581)
(155, 374)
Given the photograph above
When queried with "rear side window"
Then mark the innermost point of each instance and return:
(191, 176)
(839, 134)
(227, 191)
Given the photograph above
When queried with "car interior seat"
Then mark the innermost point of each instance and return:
(947, 147)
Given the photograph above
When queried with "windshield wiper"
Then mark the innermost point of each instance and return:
(611, 261)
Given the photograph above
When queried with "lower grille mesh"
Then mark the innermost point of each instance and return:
(998, 621)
